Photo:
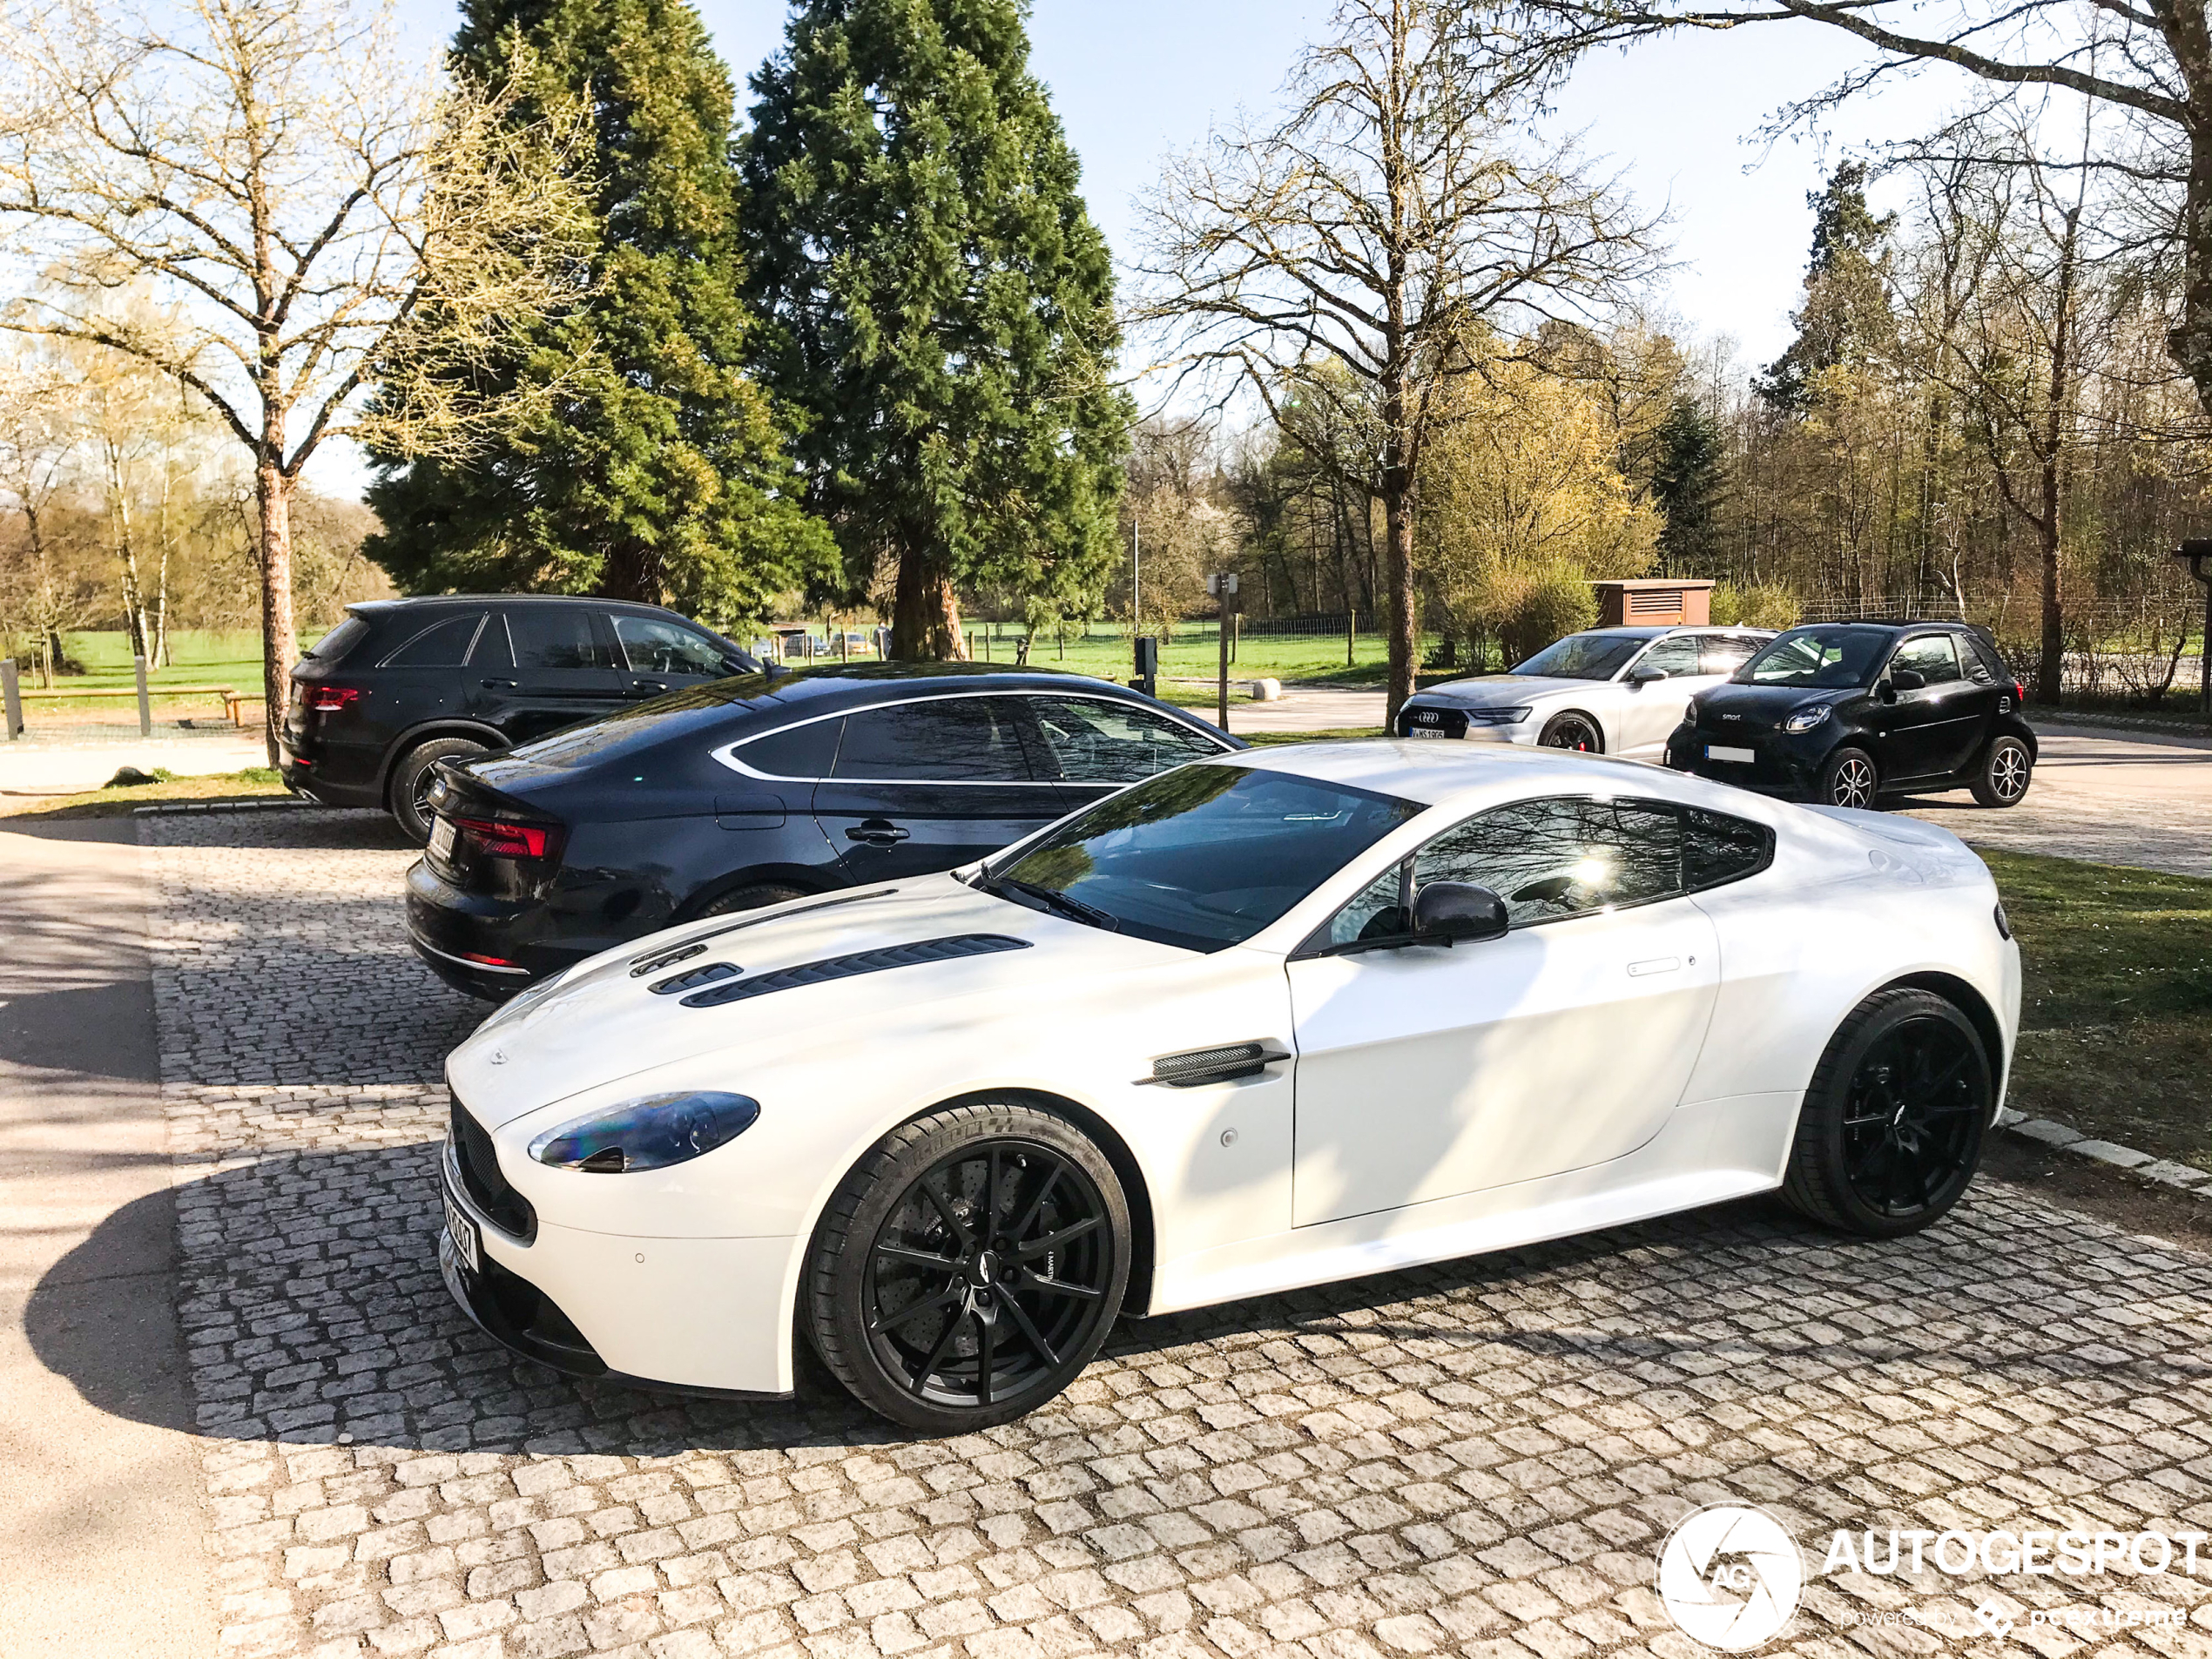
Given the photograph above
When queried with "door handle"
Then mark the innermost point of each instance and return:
(648, 685)
(497, 686)
(1656, 965)
(875, 833)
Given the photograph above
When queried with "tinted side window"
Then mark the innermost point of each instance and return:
(806, 750)
(657, 647)
(492, 649)
(955, 739)
(1984, 665)
(1722, 654)
(557, 636)
(1552, 859)
(340, 640)
(1090, 740)
(1673, 658)
(444, 645)
(1717, 849)
(1930, 655)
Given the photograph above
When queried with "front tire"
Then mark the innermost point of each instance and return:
(970, 1267)
(1892, 1128)
(408, 795)
(2002, 778)
(1849, 778)
(1576, 731)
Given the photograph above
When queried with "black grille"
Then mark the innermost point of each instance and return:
(696, 977)
(865, 962)
(486, 1187)
(1414, 717)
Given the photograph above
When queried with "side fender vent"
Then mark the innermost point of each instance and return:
(1220, 1065)
(864, 962)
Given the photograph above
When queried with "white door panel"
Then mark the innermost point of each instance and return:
(1650, 715)
(1424, 1073)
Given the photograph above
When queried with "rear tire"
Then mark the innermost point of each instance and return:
(1849, 778)
(407, 797)
(1891, 1127)
(753, 896)
(1576, 731)
(2005, 771)
(968, 1268)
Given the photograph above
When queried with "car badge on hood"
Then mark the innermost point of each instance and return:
(499, 1057)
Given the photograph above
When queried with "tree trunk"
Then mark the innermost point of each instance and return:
(925, 612)
(1397, 520)
(2050, 674)
(280, 642)
(632, 572)
(2191, 343)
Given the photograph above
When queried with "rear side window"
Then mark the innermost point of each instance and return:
(1089, 740)
(953, 739)
(1984, 665)
(557, 636)
(1717, 849)
(443, 644)
(340, 640)
(1722, 654)
(1675, 658)
(804, 751)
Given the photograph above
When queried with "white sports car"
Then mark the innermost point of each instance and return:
(1611, 691)
(1285, 1017)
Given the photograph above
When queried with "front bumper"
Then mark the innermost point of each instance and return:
(1418, 719)
(1782, 763)
(698, 1316)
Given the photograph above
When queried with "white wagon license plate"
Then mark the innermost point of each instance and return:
(464, 1237)
(442, 836)
(1418, 733)
(1721, 752)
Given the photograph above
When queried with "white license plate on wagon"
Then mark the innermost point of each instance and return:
(1721, 752)
(1418, 731)
(442, 837)
(464, 1237)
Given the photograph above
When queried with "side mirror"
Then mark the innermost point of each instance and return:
(1446, 912)
(1907, 679)
(1645, 675)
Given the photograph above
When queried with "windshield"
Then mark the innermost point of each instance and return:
(1582, 657)
(1205, 856)
(1827, 658)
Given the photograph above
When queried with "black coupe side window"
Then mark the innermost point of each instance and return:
(952, 740)
(806, 751)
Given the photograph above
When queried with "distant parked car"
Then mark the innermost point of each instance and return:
(1611, 691)
(1843, 713)
(403, 684)
(756, 789)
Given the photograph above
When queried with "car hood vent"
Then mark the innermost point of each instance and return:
(864, 962)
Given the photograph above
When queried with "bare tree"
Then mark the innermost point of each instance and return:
(317, 215)
(1388, 216)
(38, 596)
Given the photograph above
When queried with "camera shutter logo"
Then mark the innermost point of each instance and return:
(1731, 1577)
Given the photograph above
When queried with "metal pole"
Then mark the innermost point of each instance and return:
(2205, 649)
(1228, 603)
(13, 699)
(145, 706)
(1136, 575)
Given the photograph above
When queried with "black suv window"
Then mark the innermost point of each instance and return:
(954, 739)
(340, 640)
(557, 636)
(1930, 655)
(443, 644)
(655, 646)
(1090, 739)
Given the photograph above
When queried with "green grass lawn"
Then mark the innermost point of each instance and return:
(2116, 1009)
(198, 657)
(1195, 653)
(115, 803)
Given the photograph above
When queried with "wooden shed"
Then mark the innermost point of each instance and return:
(1654, 602)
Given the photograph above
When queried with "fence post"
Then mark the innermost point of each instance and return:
(10, 693)
(145, 707)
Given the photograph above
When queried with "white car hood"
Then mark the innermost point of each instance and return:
(603, 1022)
(1504, 691)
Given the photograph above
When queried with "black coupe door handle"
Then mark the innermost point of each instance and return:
(497, 686)
(876, 832)
(648, 685)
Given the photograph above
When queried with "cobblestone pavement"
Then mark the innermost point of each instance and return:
(1480, 1458)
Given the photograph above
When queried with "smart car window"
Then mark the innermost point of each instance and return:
(1090, 740)
(1582, 657)
(1552, 859)
(1205, 856)
(445, 645)
(557, 636)
(1819, 657)
(963, 740)
(657, 647)
(1675, 656)
(1931, 657)
(1984, 665)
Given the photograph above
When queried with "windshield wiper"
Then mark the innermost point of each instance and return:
(1052, 898)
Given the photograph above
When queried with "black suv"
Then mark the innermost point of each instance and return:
(1843, 713)
(403, 684)
(752, 790)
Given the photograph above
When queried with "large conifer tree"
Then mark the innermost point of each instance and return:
(940, 304)
(656, 471)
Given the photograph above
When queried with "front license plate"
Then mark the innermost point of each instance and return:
(464, 1237)
(1418, 733)
(441, 834)
(1721, 752)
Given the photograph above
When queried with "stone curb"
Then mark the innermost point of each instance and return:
(277, 804)
(2167, 1172)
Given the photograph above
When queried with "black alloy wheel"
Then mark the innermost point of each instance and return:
(412, 779)
(2002, 778)
(1850, 780)
(970, 1267)
(1575, 732)
(1892, 1128)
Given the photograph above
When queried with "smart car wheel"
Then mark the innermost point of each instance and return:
(1891, 1126)
(1848, 779)
(410, 795)
(2002, 778)
(1573, 731)
(970, 1267)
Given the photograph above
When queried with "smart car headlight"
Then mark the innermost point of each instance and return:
(1805, 719)
(1497, 717)
(650, 1133)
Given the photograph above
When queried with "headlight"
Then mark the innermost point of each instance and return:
(1497, 717)
(1805, 719)
(1689, 713)
(647, 1134)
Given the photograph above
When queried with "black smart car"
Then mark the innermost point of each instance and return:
(759, 789)
(1844, 713)
(403, 684)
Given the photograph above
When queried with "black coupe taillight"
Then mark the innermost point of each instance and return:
(494, 838)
